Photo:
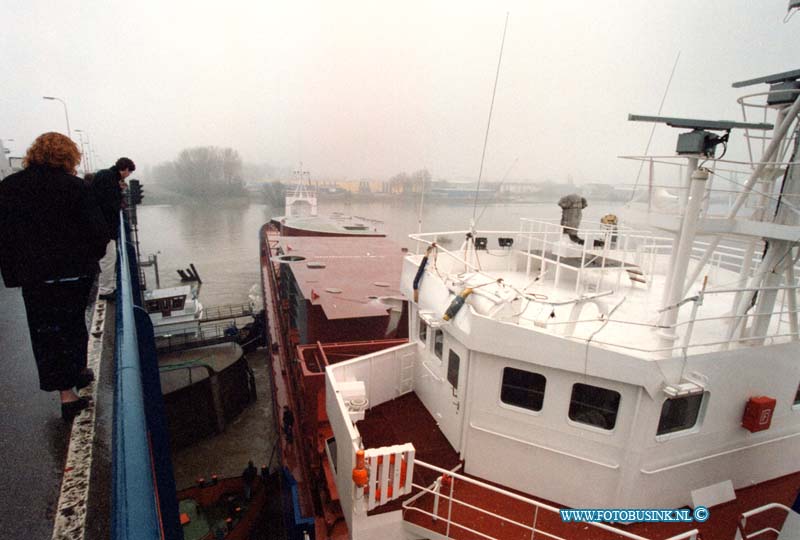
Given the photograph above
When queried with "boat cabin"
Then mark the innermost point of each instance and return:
(173, 310)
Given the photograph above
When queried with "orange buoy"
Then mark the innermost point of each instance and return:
(360, 475)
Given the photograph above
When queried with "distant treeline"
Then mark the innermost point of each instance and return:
(206, 171)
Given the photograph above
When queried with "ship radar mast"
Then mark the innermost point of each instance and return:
(701, 142)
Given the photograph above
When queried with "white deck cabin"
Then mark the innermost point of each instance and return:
(174, 310)
(614, 373)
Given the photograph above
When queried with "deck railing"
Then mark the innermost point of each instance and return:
(443, 489)
(578, 273)
(144, 501)
(770, 532)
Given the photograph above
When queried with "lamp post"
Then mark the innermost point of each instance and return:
(66, 114)
(84, 159)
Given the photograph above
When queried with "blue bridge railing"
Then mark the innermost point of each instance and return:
(144, 504)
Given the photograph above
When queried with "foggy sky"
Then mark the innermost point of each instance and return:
(359, 90)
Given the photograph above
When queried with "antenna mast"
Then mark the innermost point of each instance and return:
(489, 123)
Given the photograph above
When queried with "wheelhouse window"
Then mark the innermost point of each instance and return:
(680, 413)
(438, 343)
(423, 331)
(453, 365)
(594, 406)
(523, 389)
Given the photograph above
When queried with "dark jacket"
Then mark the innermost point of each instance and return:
(50, 227)
(572, 210)
(109, 196)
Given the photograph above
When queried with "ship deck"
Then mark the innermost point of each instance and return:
(405, 419)
(610, 294)
(335, 225)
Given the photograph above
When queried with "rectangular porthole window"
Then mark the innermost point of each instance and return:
(423, 331)
(523, 389)
(453, 364)
(594, 406)
(438, 343)
(680, 413)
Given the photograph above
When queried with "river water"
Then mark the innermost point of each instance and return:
(222, 239)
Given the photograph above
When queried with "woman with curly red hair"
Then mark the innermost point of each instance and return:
(53, 234)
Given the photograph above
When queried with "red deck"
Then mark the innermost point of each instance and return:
(349, 315)
(344, 276)
(405, 419)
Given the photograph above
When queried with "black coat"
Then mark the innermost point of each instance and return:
(105, 187)
(50, 227)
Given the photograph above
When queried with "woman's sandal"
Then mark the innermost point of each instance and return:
(71, 409)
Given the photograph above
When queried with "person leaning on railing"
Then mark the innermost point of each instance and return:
(53, 234)
(108, 186)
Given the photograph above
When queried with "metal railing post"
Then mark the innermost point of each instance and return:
(437, 486)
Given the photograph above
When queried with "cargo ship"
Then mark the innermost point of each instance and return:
(645, 364)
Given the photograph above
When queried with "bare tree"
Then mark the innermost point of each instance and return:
(420, 180)
(204, 171)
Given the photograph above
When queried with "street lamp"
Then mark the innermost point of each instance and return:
(84, 159)
(69, 132)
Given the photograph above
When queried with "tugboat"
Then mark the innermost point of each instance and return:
(174, 310)
(220, 508)
(648, 364)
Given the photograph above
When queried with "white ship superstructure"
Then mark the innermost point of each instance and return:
(613, 366)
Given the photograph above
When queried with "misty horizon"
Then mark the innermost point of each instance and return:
(355, 90)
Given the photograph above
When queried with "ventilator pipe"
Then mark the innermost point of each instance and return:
(421, 271)
(456, 304)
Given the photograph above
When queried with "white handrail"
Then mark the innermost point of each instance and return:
(750, 513)
(692, 534)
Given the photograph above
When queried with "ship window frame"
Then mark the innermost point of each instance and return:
(331, 451)
(582, 423)
(519, 406)
(422, 337)
(453, 373)
(438, 353)
(698, 420)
